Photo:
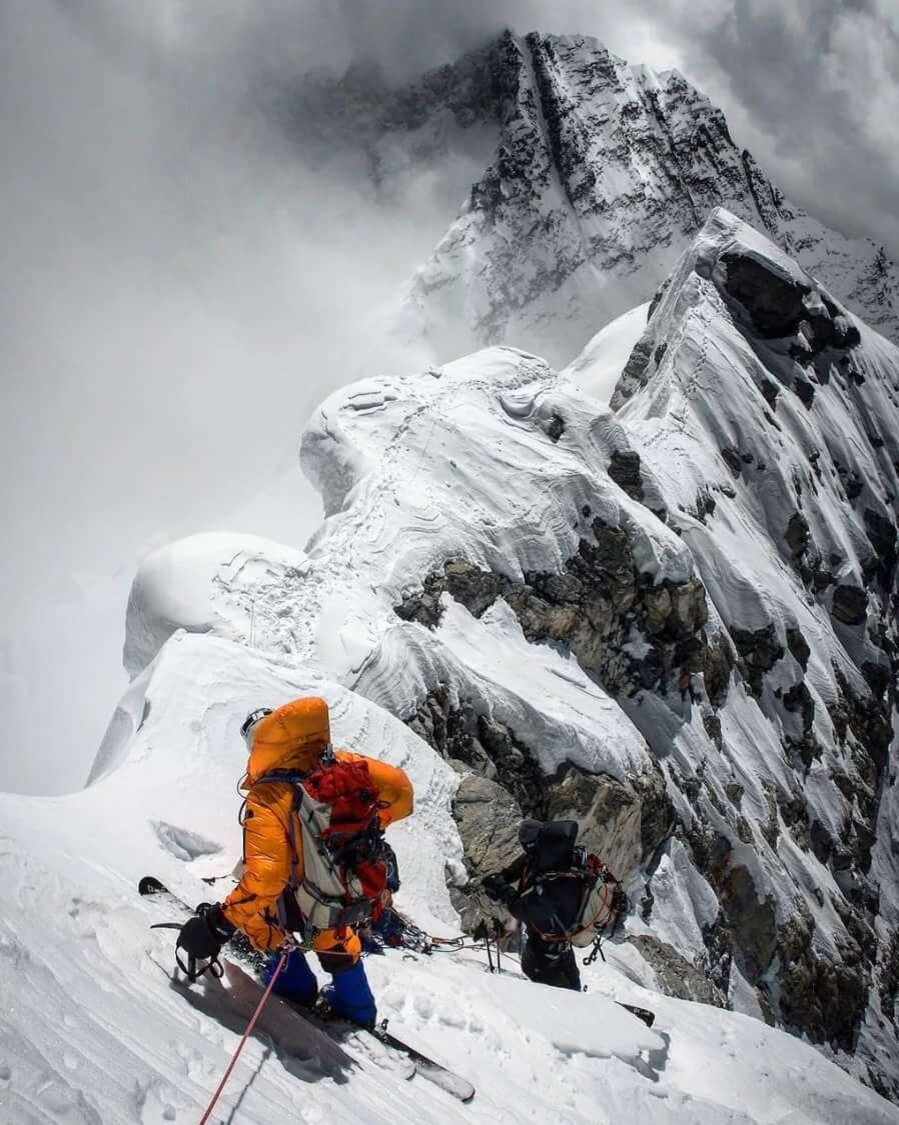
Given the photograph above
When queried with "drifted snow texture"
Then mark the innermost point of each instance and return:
(675, 623)
(600, 175)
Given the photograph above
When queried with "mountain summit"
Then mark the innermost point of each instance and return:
(601, 173)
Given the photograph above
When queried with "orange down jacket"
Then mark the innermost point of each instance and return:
(251, 906)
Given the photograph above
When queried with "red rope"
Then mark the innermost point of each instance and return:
(246, 1036)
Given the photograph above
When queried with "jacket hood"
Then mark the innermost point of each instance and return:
(292, 738)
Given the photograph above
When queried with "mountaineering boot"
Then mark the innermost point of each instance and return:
(550, 963)
(349, 996)
(296, 981)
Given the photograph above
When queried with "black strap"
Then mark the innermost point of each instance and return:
(193, 970)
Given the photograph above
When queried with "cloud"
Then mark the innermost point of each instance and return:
(811, 88)
(180, 289)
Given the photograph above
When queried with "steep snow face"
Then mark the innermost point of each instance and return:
(414, 472)
(768, 416)
(174, 745)
(601, 176)
(602, 362)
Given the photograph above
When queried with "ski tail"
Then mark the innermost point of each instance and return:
(644, 1014)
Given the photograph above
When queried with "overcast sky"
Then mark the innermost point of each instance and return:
(179, 292)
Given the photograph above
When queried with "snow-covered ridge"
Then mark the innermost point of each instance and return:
(768, 416)
(709, 575)
(608, 615)
(601, 175)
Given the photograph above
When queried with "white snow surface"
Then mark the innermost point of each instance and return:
(414, 470)
(93, 1030)
(598, 368)
(178, 586)
(465, 461)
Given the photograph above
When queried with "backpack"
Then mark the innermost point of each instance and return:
(568, 895)
(337, 808)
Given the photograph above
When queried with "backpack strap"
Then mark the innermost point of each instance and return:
(293, 778)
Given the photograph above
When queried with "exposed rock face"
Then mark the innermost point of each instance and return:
(850, 604)
(600, 172)
(488, 818)
(470, 741)
(624, 470)
(760, 650)
(825, 1000)
(629, 633)
(624, 822)
(780, 307)
(675, 975)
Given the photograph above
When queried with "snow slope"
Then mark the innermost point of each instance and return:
(92, 1028)
(413, 471)
(690, 598)
(600, 365)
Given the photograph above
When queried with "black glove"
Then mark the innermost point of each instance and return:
(496, 887)
(203, 936)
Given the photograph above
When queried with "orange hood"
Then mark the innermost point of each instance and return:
(292, 738)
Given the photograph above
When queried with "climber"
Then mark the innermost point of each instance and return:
(314, 863)
(560, 894)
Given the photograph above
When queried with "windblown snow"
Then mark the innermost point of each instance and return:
(740, 494)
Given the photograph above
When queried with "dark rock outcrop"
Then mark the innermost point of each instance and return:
(623, 821)
(850, 604)
(598, 607)
(823, 999)
(774, 302)
(798, 646)
(675, 975)
(624, 470)
(759, 650)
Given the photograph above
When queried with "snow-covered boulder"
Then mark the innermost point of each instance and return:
(179, 585)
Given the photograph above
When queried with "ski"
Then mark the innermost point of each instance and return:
(250, 961)
(344, 1032)
(435, 1072)
(644, 1014)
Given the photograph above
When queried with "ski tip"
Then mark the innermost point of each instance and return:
(151, 886)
